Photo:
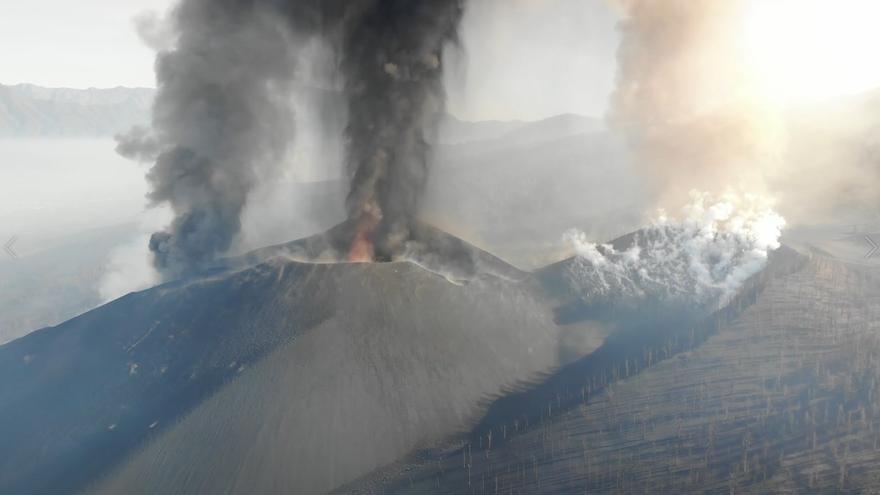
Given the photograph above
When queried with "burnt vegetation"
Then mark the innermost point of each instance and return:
(778, 392)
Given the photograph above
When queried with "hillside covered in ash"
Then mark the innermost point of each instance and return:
(776, 393)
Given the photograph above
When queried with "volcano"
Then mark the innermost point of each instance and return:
(282, 370)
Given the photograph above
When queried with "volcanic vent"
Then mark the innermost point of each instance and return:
(426, 246)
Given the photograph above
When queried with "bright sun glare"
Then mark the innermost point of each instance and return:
(803, 50)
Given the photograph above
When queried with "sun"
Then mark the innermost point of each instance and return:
(807, 50)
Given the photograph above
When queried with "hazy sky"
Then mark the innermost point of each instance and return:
(527, 59)
(524, 59)
(80, 44)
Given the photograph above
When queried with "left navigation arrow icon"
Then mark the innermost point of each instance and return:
(8, 247)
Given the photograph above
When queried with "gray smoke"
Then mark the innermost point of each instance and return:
(220, 120)
(223, 118)
(392, 61)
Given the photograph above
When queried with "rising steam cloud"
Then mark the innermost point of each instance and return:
(701, 257)
(223, 119)
(685, 100)
(696, 115)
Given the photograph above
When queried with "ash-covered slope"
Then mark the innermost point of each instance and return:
(273, 377)
(778, 394)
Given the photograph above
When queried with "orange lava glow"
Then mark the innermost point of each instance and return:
(361, 250)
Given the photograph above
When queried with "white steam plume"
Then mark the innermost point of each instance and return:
(701, 258)
(694, 106)
(687, 102)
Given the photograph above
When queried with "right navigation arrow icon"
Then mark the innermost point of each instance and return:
(874, 247)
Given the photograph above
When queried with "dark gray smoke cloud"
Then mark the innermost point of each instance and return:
(223, 118)
(392, 61)
(220, 121)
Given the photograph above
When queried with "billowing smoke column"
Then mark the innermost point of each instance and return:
(223, 119)
(220, 121)
(392, 62)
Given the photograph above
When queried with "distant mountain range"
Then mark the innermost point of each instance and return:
(33, 111)
(27, 110)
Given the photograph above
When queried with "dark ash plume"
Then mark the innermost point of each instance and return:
(220, 120)
(392, 62)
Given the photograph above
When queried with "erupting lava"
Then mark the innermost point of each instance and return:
(362, 249)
